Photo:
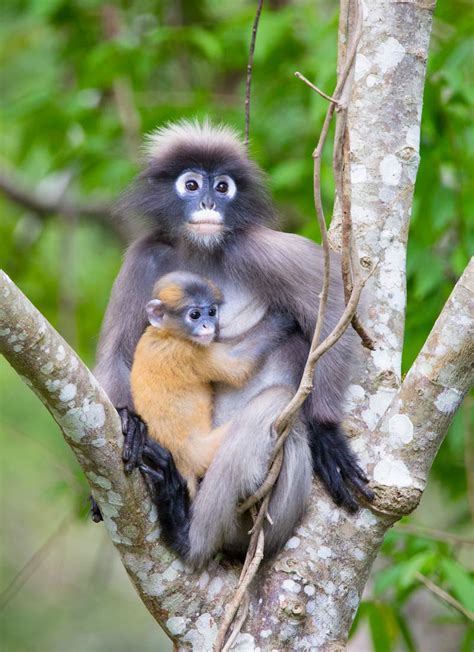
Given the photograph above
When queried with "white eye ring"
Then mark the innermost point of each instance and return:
(184, 178)
(231, 187)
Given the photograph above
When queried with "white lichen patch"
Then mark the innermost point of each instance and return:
(373, 80)
(448, 401)
(52, 385)
(4, 332)
(99, 480)
(153, 584)
(203, 580)
(79, 420)
(389, 54)
(358, 173)
(215, 587)
(310, 589)
(390, 170)
(291, 586)
(204, 634)
(358, 554)
(138, 565)
(114, 498)
(400, 429)
(176, 625)
(392, 473)
(413, 137)
(324, 552)
(153, 536)
(68, 392)
(354, 397)
(265, 633)
(47, 368)
(60, 353)
(292, 543)
(378, 403)
(329, 587)
(362, 66)
(245, 643)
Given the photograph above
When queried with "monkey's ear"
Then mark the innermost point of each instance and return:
(155, 312)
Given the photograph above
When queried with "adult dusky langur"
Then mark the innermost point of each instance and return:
(210, 214)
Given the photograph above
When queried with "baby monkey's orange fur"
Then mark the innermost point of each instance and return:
(171, 378)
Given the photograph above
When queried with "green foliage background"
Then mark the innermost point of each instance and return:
(70, 68)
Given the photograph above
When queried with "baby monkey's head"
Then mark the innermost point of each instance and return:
(186, 305)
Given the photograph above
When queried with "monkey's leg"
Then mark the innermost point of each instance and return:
(336, 465)
(236, 472)
(169, 491)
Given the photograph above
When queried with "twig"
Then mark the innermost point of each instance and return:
(446, 597)
(439, 535)
(33, 563)
(244, 610)
(249, 72)
(122, 90)
(37, 203)
(239, 595)
(315, 88)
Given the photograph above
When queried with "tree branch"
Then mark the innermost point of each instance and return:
(414, 426)
(43, 206)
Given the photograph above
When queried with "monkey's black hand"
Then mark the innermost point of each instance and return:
(96, 516)
(135, 434)
(336, 465)
(169, 491)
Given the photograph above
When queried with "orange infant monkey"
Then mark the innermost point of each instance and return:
(175, 362)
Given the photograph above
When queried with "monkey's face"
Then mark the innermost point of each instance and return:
(198, 322)
(206, 197)
(202, 198)
(201, 323)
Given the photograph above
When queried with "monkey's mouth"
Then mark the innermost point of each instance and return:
(206, 222)
(204, 340)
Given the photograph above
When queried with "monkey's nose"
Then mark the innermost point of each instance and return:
(207, 203)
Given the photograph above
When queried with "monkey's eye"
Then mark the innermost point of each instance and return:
(222, 186)
(191, 185)
(225, 185)
(195, 314)
(188, 182)
(212, 312)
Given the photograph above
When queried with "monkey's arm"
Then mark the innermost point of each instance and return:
(234, 362)
(125, 318)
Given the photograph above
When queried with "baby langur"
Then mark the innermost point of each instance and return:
(176, 360)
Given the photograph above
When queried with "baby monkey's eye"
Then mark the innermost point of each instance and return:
(191, 185)
(222, 186)
(212, 312)
(195, 314)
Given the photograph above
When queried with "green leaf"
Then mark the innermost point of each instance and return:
(461, 582)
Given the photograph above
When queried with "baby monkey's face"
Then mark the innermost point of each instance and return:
(201, 323)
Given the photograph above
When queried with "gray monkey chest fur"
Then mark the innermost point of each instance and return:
(241, 315)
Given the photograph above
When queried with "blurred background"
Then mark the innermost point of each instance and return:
(81, 82)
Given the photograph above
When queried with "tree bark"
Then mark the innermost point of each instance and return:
(305, 598)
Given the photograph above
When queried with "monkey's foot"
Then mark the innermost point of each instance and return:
(336, 465)
(169, 491)
(135, 434)
(95, 511)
